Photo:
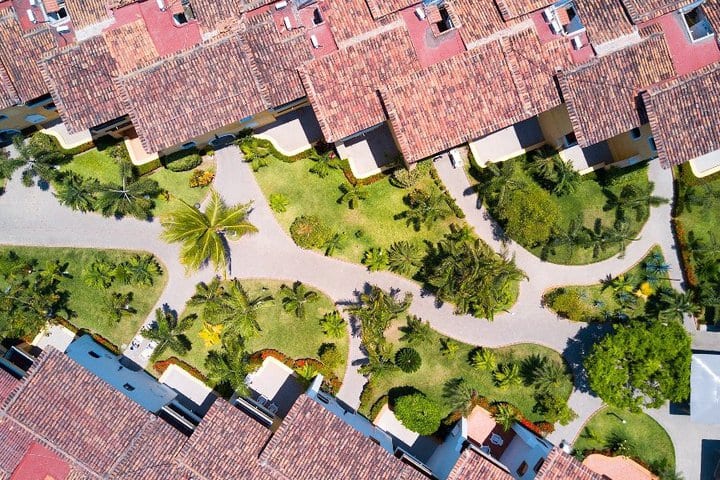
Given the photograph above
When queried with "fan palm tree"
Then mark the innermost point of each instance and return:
(237, 312)
(296, 299)
(333, 324)
(229, 366)
(506, 415)
(405, 258)
(460, 395)
(425, 209)
(375, 259)
(352, 195)
(483, 359)
(169, 332)
(204, 235)
(77, 193)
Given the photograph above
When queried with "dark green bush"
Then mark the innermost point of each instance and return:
(418, 413)
(408, 360)
(330, 355)
(182, 160)
(309, 232)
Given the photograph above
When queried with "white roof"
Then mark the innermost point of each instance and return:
(705, 389)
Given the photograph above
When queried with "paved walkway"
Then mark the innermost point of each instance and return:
(32, 217)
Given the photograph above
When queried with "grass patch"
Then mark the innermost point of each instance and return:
(94, 164)
(280, 330)
(86, 302)
(372, 224)
(649, 442)
(586, 205)
(436, 370)
(611, 299)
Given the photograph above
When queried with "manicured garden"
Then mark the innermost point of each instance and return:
(265, 317)
(546, 206)
(107, 292)
(636, 435)
(405, 222)
(697, 214)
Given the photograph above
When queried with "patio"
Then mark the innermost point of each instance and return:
(706, 164)
(418, 446)
(370, 152)
(293, 132)
(192, 392)
(485, 432)
(274, 387)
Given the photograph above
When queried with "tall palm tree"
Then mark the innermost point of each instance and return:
(335, 242)
(296, 299)
(208, 296)
(169, 332)
(238, 312)
(77, 193)
(501, 184)
(204, 235)
(622, 236)
(40, 158)
(634, 198)
(460, 395)
(425, 209)
(118, 305)
(405, 258)
(229, 366)
(8, 165)
(131, 196)
(567, 178)
(674, 305)
(352, 195)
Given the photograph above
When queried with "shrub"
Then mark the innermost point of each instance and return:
(408, 360)
(309, 231)
(375, 259)
(418, 413)
(279, 202)
(201, 178)
(483, 359)
(330, 355)
(182, 160)
(404, 178)
(377, 406)
(568, 304)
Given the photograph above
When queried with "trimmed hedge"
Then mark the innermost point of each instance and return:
(309, 232)
(182, 161)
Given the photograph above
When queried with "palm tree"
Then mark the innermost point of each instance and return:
(208, 296)
(566, 177)
(335, 242)
(169, 332)
(675, 305)
(333, 324)
(143, 269)
(405, 258)
(688, 198)
(204, 235)
(425, 208)
(238, 312)
(599, 238)
(544, 165)
(622, 235)
(39, 157)
(417, 331)
(98, 274)
(229, 366)
(507, 375)
(635, 198)
(118, 305)
(460, 395)
(501, 183)
(77, 193)
(131, 196)
(483, 359)
(548, 375)
(54, 271)
(323, 163)
(505, 415)
(352, 194)
(296, 299)
(257, 155)
(8, 165)
(375, 259)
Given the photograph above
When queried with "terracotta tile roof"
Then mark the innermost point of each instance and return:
(644, 10)
(219, 89)
(313, 443)
(103, 422)
(602, 95)
(15, 441)
(342, 87)
(22, 69)
(478, 19)
(684, 119)
(131, 46)
(350, 18)
(605, 20)
(151, 455)
(561, 466)
(8, 95)
(277, 56)
(87, 12)
(210, 13)
(8, 384)
(226, 445)
(80, 80)
(515, 86)
(515, 8)
(474, 466)
(380, 8)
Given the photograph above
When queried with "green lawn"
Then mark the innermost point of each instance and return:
(371, 224)
(280, 330)
(649, 442)
(437, 369)
(100, 166)
(587, 202)
(87, 302)
(599, 302)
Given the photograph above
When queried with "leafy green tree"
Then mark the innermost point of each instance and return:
(118, 305)
(279, 202)
(295, 299)
(333, 325)
(425, 208)
(500, 183)
(237, 312)
(408, 360)
(530, 216)
(507, 375)
(329, 355)
(169, 332)
(77, 192)
(460, 395)
(567, 178)
(376, 258)
(553, 407)
(98, 274)
(483, 359)
(405, 258)
(506, 415)
(204, 235)
(418, 413)
(641, 364)
(416, 331)
(229, 366)
(352, 195)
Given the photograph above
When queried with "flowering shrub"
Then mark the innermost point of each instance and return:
(201, 178)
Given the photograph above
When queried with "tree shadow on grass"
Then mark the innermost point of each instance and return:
(579, 347)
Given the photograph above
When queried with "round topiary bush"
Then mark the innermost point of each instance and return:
(182, 161)
(330, 355)
(408, 360)
(309, 232)
(418, 413)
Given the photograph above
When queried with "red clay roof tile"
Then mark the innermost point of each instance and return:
(644, 10)
(474, 466)
(510, 9)
(561, 466)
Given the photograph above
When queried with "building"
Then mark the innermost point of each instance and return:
(602, 81)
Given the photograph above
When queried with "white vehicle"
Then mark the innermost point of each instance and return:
(455, 159)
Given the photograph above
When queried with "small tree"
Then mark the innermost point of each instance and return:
(408, 360)
(483, 359)
(375, 259)
(460, 395)
(405, 258)
(279, 202)
(333, 325)
(352, 195)
(118, 305)
(329, 355)
(169, 332)
(507, 375)
(296, 299)
(418, 413)
(506, 415)
(416, 331)
(449, 347)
